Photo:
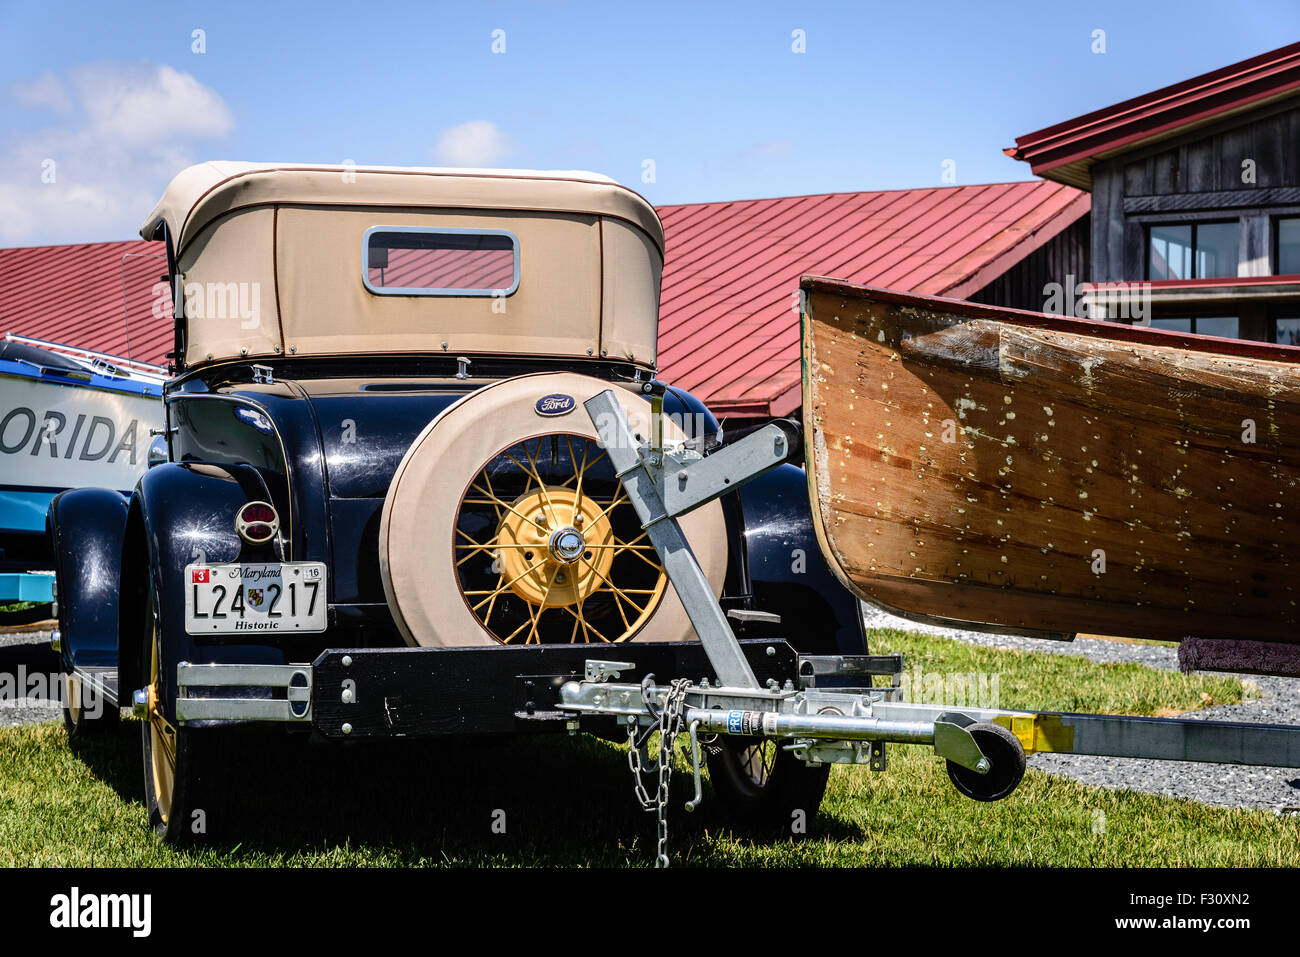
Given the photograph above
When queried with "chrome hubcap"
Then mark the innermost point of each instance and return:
(566, 545)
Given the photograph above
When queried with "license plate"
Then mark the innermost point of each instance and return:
(248, 599)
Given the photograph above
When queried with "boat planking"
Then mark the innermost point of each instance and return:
(974, 464)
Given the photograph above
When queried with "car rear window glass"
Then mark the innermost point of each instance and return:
(441, 262)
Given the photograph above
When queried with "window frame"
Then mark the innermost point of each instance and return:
(1276, 230)
(1195, 225)
(1278, 316)
(1193, 316)
(439, 292)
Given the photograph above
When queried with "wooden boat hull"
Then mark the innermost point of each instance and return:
(981, 465)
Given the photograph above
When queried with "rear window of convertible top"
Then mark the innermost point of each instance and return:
(441, 262)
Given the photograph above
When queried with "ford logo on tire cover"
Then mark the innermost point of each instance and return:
(556, 404)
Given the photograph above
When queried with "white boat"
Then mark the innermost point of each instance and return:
(69, 418)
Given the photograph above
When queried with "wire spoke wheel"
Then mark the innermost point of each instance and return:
(757, 760)
(162, 738)
(184, 767)
(762, 785)
(548, 548)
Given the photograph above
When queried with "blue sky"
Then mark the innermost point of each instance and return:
(713, 94)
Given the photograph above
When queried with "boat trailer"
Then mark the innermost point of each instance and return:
(824, 709)
(985, 748)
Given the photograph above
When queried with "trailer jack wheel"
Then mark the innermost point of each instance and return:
(1007, 757)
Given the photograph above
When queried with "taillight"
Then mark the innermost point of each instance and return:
(257, 523)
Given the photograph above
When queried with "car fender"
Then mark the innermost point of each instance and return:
(85, 528)
(787, 572)
(180, 514)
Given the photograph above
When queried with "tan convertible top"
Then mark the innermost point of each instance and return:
(203, 192)
(274, 261)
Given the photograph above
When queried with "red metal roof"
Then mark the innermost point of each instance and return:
(100, 296)
(728, 317)
(1066, 151)
(729, 326)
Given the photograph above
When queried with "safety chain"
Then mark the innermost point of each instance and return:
(670, 721)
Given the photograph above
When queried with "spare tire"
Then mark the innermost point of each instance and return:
(505, 523)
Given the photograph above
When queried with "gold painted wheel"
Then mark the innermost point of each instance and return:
(548, 547)
(181, 765)
(162, 739)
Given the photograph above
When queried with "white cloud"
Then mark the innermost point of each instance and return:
(476, 143)
(119, 133)
(131, 107)
(46, 92)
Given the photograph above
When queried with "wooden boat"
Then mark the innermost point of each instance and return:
(1026, 471)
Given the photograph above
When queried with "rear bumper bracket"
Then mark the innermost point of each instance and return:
(214, 692)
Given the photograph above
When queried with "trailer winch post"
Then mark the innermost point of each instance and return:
(643, 479)
(820, 726)
(664, 483)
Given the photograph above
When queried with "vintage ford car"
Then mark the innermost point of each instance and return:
(377, 503)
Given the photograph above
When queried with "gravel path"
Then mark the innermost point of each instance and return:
(25, 656)
(1275, 701)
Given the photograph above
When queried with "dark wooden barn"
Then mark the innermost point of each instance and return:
(1195, 201)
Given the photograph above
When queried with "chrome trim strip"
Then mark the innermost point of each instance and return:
(294, 680)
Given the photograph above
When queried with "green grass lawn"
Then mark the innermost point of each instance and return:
(568, 801)
(1053, 682)
(14, 606)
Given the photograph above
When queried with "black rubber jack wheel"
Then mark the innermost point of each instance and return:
(763, 786)
(182, 766)
(1004, 752)
(85, 712)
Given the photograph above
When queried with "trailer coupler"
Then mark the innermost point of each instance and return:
(818, 726)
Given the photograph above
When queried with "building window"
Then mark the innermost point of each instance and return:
(1287, 255)
(1192, 250)
(1286, 332)
(1223, 326)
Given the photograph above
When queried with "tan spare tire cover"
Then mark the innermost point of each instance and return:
(419, 520)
